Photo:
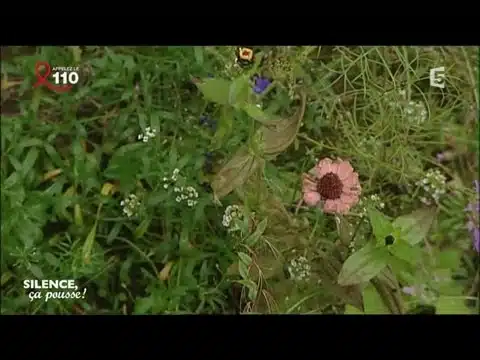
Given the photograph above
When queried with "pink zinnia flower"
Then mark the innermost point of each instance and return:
(332, 186)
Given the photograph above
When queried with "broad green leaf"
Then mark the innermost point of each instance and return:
(253, 238)
(449, 259)
(281, 133)
(235, 172)
(381, 225)
(363, 265)
(225, 126)
(402, 250)
(125, 163)
(373, 301)
(245, 258)
(215, 90)
(414, 227)
(239, 90)
(452, 305)
(36, 271)
(256, 113)
(29, 161)
(144, 305)
(142, 229)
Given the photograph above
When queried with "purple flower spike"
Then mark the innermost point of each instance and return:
(261, 84)
(476, 239)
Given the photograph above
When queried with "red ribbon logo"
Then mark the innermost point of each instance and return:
(42, 79)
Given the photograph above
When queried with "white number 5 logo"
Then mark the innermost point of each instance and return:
(437, 77)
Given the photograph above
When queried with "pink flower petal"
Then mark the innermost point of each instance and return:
(323, 167)
(308, 184)
(344, 170)
(342, 208)
(330, 206)
(311, 198)
(349, 199)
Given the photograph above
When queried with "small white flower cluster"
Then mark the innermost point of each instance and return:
(434, 185)
(299, 269)
(373, 200)
(149, 134)
(130, 205)
(416, 111)
(182, 193)
(231, 213)
(188, 193)
(173, 178)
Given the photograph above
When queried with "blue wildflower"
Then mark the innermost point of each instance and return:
(261, 84)
(208, 121)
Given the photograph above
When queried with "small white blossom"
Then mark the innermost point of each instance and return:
(232, 212)
(372, 200)
(189, 193)
(149, 134)
(433, 186)
(415, 111)
(299, 269)
(130, 205)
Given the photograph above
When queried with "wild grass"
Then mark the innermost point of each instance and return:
(68, 160)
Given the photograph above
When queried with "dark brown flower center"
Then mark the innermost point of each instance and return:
(330, 186)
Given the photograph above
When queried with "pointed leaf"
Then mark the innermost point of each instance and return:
(414, 227)
(253, 238)
(282, 133)
(402, 250)
(239, 90)
(256, 113)
(363, 265)
(215, 90)
(381, 225)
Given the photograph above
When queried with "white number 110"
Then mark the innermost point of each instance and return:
(66, 77)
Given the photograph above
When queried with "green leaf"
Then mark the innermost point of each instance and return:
(125, 163)
(239, 90)
(452, 305)
(141, 229)
(280, 134)
(363, 265)
(256, 113)
(449, 259)
(381, 225)
(253, 238)
(215, 90)
(235, 172)
(36, 271)
(373, 302)
(29, 161)
(245, 258)
(402, 250)
(225, 126)
(144, 305)
(414, 227)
